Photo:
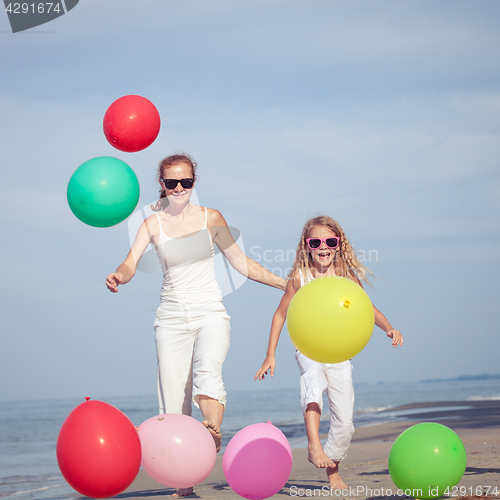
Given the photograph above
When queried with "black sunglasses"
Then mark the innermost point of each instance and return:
(172, 183)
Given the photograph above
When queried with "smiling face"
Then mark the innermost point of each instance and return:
(323, 256)
(179, 195)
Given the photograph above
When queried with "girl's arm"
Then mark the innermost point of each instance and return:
(279, 319)
(238, 260)
(126, 270)
(382, 322)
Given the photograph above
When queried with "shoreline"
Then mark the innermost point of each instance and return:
(365, 468)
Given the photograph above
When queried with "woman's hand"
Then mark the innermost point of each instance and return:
(282, 284)
(269, 364)
(397, 338)
(126, 271)
(113, 280)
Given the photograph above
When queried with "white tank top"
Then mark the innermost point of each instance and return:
(306, 278)
(188, 267)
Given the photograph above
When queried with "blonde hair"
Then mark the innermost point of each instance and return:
(167, 162)
(346, 262)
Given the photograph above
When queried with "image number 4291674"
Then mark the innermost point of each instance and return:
(28, 14)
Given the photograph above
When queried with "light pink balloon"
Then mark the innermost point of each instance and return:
(257, 461)
(177, 450)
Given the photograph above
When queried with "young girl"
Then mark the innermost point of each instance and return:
(323, 251)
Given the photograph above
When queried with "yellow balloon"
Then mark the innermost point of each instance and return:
(330, 319)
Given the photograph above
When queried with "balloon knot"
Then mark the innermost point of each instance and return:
(87, 398)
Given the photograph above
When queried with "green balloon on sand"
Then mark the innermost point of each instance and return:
(427, 460)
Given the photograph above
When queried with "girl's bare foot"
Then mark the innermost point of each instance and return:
(183, 492)
(334, 478)
(215, 434)
(318, 458)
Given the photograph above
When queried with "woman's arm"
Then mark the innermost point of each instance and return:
(279, 319)
(238, 260)
(126, 270)
(383, 323)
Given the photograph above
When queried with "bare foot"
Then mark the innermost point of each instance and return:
(334, 478)
(318, 458)
(183, 492)
(215, 434)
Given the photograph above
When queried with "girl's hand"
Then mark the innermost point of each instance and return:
(113, 280)
(269, 364)
(397, 338)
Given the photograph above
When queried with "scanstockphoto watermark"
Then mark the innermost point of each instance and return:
(26, 15)
(279, 262)
(227, 277)
(367, 492)
(359, 492)
(285, 259)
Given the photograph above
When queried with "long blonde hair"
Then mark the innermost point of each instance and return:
(346, 262)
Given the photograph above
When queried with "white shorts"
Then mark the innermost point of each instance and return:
(191, 344)
(336, 379)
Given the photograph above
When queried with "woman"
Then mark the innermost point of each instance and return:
(192, 327)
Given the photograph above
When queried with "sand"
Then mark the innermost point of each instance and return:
(365, 468)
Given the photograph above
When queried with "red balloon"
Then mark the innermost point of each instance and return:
(131, 123)
(98, 450)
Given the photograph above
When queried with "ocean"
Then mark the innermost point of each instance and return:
(29, 429)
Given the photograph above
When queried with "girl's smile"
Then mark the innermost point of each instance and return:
(323, 256)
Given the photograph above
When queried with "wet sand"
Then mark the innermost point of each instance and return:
(365, 468)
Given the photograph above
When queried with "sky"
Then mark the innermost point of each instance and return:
(383, 114)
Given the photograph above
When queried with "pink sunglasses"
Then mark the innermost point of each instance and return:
(329, 242)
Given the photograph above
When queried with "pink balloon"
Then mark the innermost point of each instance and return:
(257, 461)
(177, 450)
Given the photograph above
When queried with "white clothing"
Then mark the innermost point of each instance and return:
(192, 328)
(188, 267)
(191, 345)
(336, 380)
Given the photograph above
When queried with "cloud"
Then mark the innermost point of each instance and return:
(383, 115)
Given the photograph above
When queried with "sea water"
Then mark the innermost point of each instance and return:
(29, 429)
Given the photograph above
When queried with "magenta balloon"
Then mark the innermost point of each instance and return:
(257, 461)
(177, 450)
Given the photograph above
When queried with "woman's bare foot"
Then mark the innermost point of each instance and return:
(215, 434)
(334, 478)
(318, 458)
(183, 492)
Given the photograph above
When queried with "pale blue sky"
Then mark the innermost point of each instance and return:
(382, 114)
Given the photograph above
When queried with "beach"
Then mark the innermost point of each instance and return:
(364, 470)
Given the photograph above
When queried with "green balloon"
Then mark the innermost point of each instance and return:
(426, 459)
(103, 191)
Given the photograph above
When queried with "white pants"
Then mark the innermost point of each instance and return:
(336, 379)
(191, 344)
